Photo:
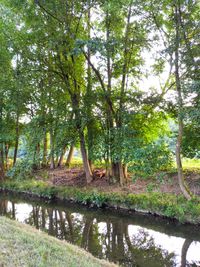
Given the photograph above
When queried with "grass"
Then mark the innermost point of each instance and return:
(165, 204)
(24, 246)
(78, 163)
(191, 165)
(169, 205)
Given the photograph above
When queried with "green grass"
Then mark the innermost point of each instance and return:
(191, 164)
(24, 246)
(169, 205)
(188, 165)
(76, 163)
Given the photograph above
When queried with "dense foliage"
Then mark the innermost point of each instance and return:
(73, 76)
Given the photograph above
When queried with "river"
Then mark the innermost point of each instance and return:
(133, 240)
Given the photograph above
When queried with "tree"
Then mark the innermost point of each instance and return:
(171, 22)
(117, 56)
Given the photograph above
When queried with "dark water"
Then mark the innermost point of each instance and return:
(129, 240)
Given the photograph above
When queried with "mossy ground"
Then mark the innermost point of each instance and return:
(24, 246)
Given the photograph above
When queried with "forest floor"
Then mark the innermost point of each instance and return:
(164, 182)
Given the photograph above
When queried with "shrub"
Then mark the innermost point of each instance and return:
(22, 170)
(149, 159)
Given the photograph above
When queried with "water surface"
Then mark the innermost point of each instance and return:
(129, 240)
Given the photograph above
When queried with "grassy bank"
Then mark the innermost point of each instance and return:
(169, 205)
(22, 245)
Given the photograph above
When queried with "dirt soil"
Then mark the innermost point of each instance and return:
(168, 183)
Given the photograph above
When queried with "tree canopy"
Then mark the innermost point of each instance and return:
(73, 76)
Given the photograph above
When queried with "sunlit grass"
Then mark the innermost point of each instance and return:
(191, 164)
(188, 164)
(77, 162)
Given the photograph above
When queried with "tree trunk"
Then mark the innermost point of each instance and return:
(1, 162)
(43, 220)
(88, 172)
(184, 251)
(13, 211)
(60, 162)
(118, 172)
(52, 162)
(89, 100)
(86, 165)
(184, 188)
(16, 141)
(6, 155)
(38, 156)
(70, 156)
(85, 237)
(50, 217)
(44, 158)
(70, 225)
(125, 168)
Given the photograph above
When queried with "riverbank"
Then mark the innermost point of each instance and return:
(22, 245)
(163, 204)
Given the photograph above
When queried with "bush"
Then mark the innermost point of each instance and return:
(22, 170)
(149, 159)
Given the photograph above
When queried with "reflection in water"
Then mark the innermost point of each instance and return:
(116, 238)
(185, 248)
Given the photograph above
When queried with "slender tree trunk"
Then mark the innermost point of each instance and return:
(43, 213)
(85, 237)
(88, 172)
(56, 222)
(70, 156)
(38, 155)
(16, 140)
(1, 144)
(44, 158)
(60, 161)
(121, 173)
(107, 167)
(52, 161)
(62, 224)
(89, 100)
(75, 98)
(35, 216)
(184, 251)
(51, 226)
(13, 210)
(1, 162)
(6, 155)
(86, 165)
(70, 224)
(125, 168)
(184, 188)
(117, 167)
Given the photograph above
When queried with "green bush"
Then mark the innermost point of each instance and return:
(22, 170)
(149, 159)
